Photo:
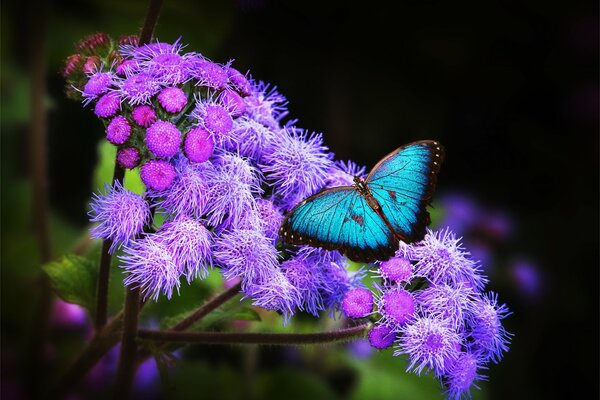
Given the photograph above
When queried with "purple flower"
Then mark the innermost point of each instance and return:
(118, 130)
(172, 99)
(357, 303)
(208, 73)
(121, 215)
(343, 173)
(446, 302)
(245, 253)
(98, 84)
(274, 292)
(308, 281)
(297, 165)
(163, 139)
(270, 218)
(127, 67)
(429, 343)
(213, 117)
(143, 116)
(238, 81)
(338, 281)
(249, 138)
(188, 195)
(198, 145)
(441, 258)
(150, 265)
(489, 338)
(381, 337)
(461, 376)
(396, 270)
(162, 60)
(266, 105)
(189, 243)
(233, 102)
(138, 88)
(107, 105)
(157, 174)
(128, 157)
(396, 306)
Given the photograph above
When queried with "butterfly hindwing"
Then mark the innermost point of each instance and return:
(403, 182)
(339, 219)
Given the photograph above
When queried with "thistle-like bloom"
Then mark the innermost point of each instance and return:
(447, 302)
(198, 145)
(266, 105)
(396, 270)
(338, 280)
(163, 139)
(343, 173)
(190, 244)
(128, 157)
(213, 117)
(98, 84)
(245, 253)
(274, 292)
(233, 102)
(118, 130)
(270, 218)
(138, 88)
(395, 305)
(238, 81)
(143, 116)
(461, 376)
(430, 344)
(207, 73)
(107, 105)
(308, 281)
(249, 138)
(297, 165)
(172, 99)
(357, 303)
(381, 337)
(121, 215)
(157, 174)
(441, 258)
(489, 338)
(150, 265)
(188, 195)
(162, 60)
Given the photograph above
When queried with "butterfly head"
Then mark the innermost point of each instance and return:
(360, 184)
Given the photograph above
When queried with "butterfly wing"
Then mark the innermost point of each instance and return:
(403, 183)
(339, 219)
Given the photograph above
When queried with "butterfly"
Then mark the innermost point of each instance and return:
(367, 220)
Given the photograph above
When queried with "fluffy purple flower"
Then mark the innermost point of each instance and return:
(128, 157)
(163, 139)
(274, 292)
(239, 81)
(396, 306)
(190, 243)
(172, 99)
(461, 376)
(138, 88)
(446, 302)
(338, 281)
(107, 105)
(245, 253)
(157, 174)
(162, 60)
(270, 218)
(357, 303)
(297, 165)
(233, 102)
(143, 116)
(213, 117)
(266, 105)
(150, 265)
(249, 138)
(430, 344)
(396, 270)
(118, 130)
(381, 337)
(441, 258)
(188, 195)
(489, 338)
(308, 281)
(121, 215)
(208, 73)
(343, 173)
(198, 145)
(98, 84)
(127, 67)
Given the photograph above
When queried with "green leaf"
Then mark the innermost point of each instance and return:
(74, 279)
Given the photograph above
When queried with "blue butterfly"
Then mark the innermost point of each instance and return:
(367, 220)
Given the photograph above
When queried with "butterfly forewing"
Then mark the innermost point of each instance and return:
(403, 182)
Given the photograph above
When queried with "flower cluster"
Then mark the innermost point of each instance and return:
(429, 303)
(219, 163)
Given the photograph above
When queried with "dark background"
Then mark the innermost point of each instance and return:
(510, 88)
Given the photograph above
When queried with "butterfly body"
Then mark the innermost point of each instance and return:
(365, 221)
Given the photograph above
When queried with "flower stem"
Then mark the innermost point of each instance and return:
(275, 339)
(150, 22)
(128, 354)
